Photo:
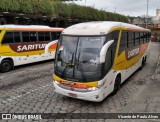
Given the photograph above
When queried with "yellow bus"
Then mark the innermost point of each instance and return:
(93, 59)
(21, 44)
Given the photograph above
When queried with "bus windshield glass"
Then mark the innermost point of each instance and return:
(78, 58)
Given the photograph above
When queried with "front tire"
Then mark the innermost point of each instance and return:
(143, 63)
(6, 65)
(117, 84)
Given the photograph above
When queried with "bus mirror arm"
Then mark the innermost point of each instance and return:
(104, 51)
(48, 46)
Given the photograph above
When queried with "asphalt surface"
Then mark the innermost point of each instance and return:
(28, 89)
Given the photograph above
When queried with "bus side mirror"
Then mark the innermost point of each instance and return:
(48, 46)
(104, 51)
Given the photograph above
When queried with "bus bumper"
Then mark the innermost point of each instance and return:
(95, 96)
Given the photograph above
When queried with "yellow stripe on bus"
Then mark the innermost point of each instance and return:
(92, 84)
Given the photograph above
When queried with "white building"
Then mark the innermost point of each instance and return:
(157, 17)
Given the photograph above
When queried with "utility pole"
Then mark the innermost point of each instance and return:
(147, 15)
(115, 9)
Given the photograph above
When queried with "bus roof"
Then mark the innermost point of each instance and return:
(100, 28)
(30, 28)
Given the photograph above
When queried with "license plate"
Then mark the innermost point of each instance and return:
(72, 95)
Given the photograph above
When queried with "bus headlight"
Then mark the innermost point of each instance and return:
(56, 82)
(93, 88)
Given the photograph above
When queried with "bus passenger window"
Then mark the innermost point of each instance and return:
(149, 36)
(8, 38)
(130, 39)
(123, 42)
(58, 35)
(145, 37)
(25, 36)
(47, 36)
(108, 61)
(40, 36)
(53, 35)
(141, 37)
(137, 38)
(33, 36)
(17, 37)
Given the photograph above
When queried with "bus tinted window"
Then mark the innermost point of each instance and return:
(47, 36)
(17, 37)
(108, 62)
(25, 36)
(58, 35)
(33, 36)
(123, 41)
(40, 36)
(53, 35)
(8, 38)
(141, 37)
(149, 37)
(130, 39)
(137, 38)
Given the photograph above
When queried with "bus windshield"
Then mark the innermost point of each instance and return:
(78, 58)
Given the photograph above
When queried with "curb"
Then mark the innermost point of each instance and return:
(156, 70)
(158, 64)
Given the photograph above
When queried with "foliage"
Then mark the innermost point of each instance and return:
(59, 9)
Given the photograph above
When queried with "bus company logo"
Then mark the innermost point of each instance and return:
(132, 52)
(27, 47)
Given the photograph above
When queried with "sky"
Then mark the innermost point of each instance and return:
(125, 7)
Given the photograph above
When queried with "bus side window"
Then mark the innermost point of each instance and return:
(47, 36)
(141, 37)
(123, 42)
(40, 36)
(8, 38)
(137, 38)
(149, 37)
(25, 36)
(108, 62)
(33, 36)
(58, 35)
(130, 39)
(17, 37)
(146, 37)
(110, 55)
(53, 35)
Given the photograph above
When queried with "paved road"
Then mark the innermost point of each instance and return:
(28, 89)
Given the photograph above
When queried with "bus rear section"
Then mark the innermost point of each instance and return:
(88, 63)
(25, 44)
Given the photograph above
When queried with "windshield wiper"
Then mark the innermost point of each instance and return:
(68, 65)
(77, 63)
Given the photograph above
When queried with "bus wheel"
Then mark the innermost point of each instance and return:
(116, 85)
(6, 65)
(142, 64)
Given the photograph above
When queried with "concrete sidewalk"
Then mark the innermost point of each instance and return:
(157, 72)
